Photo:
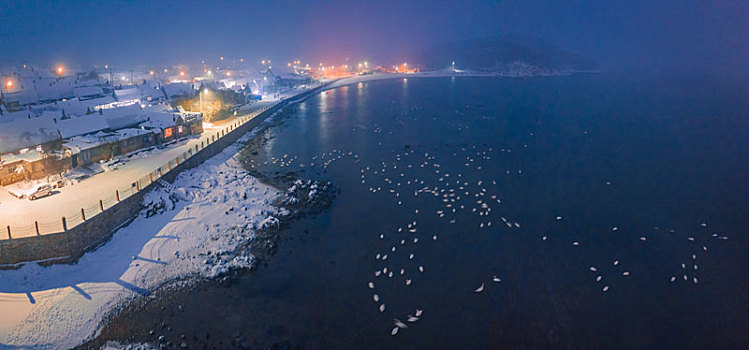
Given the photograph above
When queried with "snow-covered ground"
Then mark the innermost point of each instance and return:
(200, 220)
(67, 201)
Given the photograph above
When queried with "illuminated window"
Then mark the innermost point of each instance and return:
(167, 132)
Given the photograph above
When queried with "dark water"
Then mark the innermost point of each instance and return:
(633, 167)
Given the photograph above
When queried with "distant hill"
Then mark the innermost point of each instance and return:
(503, 54)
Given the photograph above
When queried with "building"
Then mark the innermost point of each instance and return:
(103, 146)
(170, 126)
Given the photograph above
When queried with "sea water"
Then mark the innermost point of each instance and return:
(549, 211)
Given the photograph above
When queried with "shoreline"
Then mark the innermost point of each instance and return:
(160, 248)
(438, 74)
(118, 296)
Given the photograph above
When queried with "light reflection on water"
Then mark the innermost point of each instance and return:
(599, 152)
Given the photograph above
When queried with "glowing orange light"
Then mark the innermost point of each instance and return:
(9, 84)
(222, 58)
(151, 72)
(182, 74)
(165, 70)
(228, 74)
(60, 70)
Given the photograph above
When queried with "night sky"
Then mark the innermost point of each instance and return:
(671, 34)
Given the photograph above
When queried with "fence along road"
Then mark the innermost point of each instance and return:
(77, 203)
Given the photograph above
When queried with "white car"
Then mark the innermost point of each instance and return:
(39, 191)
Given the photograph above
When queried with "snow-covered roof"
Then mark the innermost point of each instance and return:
(118, 118)
(81, 125)
(81, 143)
(22, 133)
(178, 89)
(23, 97)
(98, 102)
(87, 91)
(161, 120)
(110, 119)
(150, 91)
(127, 94)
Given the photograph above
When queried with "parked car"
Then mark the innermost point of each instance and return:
(39, 191)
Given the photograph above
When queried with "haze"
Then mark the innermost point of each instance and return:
(670, 35)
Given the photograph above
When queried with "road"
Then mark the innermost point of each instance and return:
(21, 214)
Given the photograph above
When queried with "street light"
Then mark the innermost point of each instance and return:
(60, 70)
(200, 97)
(9, 84)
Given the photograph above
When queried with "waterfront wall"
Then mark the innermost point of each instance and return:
(69, 245)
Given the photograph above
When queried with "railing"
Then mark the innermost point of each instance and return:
(75, 218)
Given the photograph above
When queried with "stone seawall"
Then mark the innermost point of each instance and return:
(69, 246)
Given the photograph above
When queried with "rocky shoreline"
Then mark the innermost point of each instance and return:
(301, 198)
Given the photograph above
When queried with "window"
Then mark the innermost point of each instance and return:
(168, 132)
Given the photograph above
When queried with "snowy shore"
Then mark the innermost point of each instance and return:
(191, 228)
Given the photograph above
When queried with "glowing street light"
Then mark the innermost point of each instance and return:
(166, 70)
(228, 74)
(151, 72)
(9, 84)
(222, 58)
(200, 96)
(60, 70)
(182, 74)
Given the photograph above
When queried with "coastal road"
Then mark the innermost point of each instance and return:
(20, 214)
